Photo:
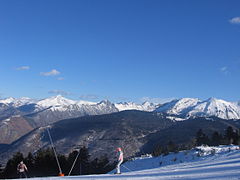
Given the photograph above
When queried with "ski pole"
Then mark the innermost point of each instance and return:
(126, 168)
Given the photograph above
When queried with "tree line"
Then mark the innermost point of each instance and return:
(43, 163)
(230, 136)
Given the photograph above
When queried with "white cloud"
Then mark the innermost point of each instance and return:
(156, 100)
(224, 70)
(123, 99)
(89, 97)
(61, 92)
(53, 72)
(235, 20)
(23, 68)
(60, 78)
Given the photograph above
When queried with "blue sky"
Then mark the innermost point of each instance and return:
(121, 50)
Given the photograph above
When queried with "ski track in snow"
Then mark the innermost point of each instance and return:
(223, 165)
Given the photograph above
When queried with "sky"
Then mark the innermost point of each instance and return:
(121, 50)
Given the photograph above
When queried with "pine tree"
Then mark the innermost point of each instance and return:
(10, 170)
(63, 163)
(201, 138)
(157, 151)
(70, 160)
(46, 163)
(82, 165)
(100, 165)
(30, 161)
(229, 135)
(236, 137)
(84, 161)
(1, 171)
(171, 147)
(216, 139)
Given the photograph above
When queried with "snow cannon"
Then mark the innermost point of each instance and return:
(60, 174)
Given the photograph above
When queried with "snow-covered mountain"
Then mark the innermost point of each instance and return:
(188, 107)
(67, 108)
(19, 116)
(180, 106)
(55, 101)
(46, 111)
(17, 102)
(61, 103)
(146, 106)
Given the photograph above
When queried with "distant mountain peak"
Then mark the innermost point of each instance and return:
(146, 106)
(178, 106)
(184, 107)
(57, 97)
(105, 102)
(16, 102)
(190, 107)
(211, 99)
(147, 103)
(7, 100)
(58, 100)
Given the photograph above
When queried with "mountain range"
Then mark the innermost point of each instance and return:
(184, 107)
(192, 107)
(14, 113)
(36, 113)
(103, 125)
(61, 103)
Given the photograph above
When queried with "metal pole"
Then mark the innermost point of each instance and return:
(74, 163)
(60, 170)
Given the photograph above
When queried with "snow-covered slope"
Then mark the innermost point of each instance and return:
(146, 106)
(178, 106)
(201, 163)
(216, 107)
(56, 101)
(196, 155)
(188, 107)
(81, 102)
(17, 102)
(7, 100)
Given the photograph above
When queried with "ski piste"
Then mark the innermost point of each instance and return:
(223, 164)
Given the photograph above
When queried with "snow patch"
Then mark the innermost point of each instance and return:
(176, 118)
(6, 121)
(146, 106)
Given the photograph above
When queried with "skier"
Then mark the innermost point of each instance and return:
(22, 168)
(120, 160)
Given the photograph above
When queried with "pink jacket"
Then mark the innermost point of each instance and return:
(120, 156)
